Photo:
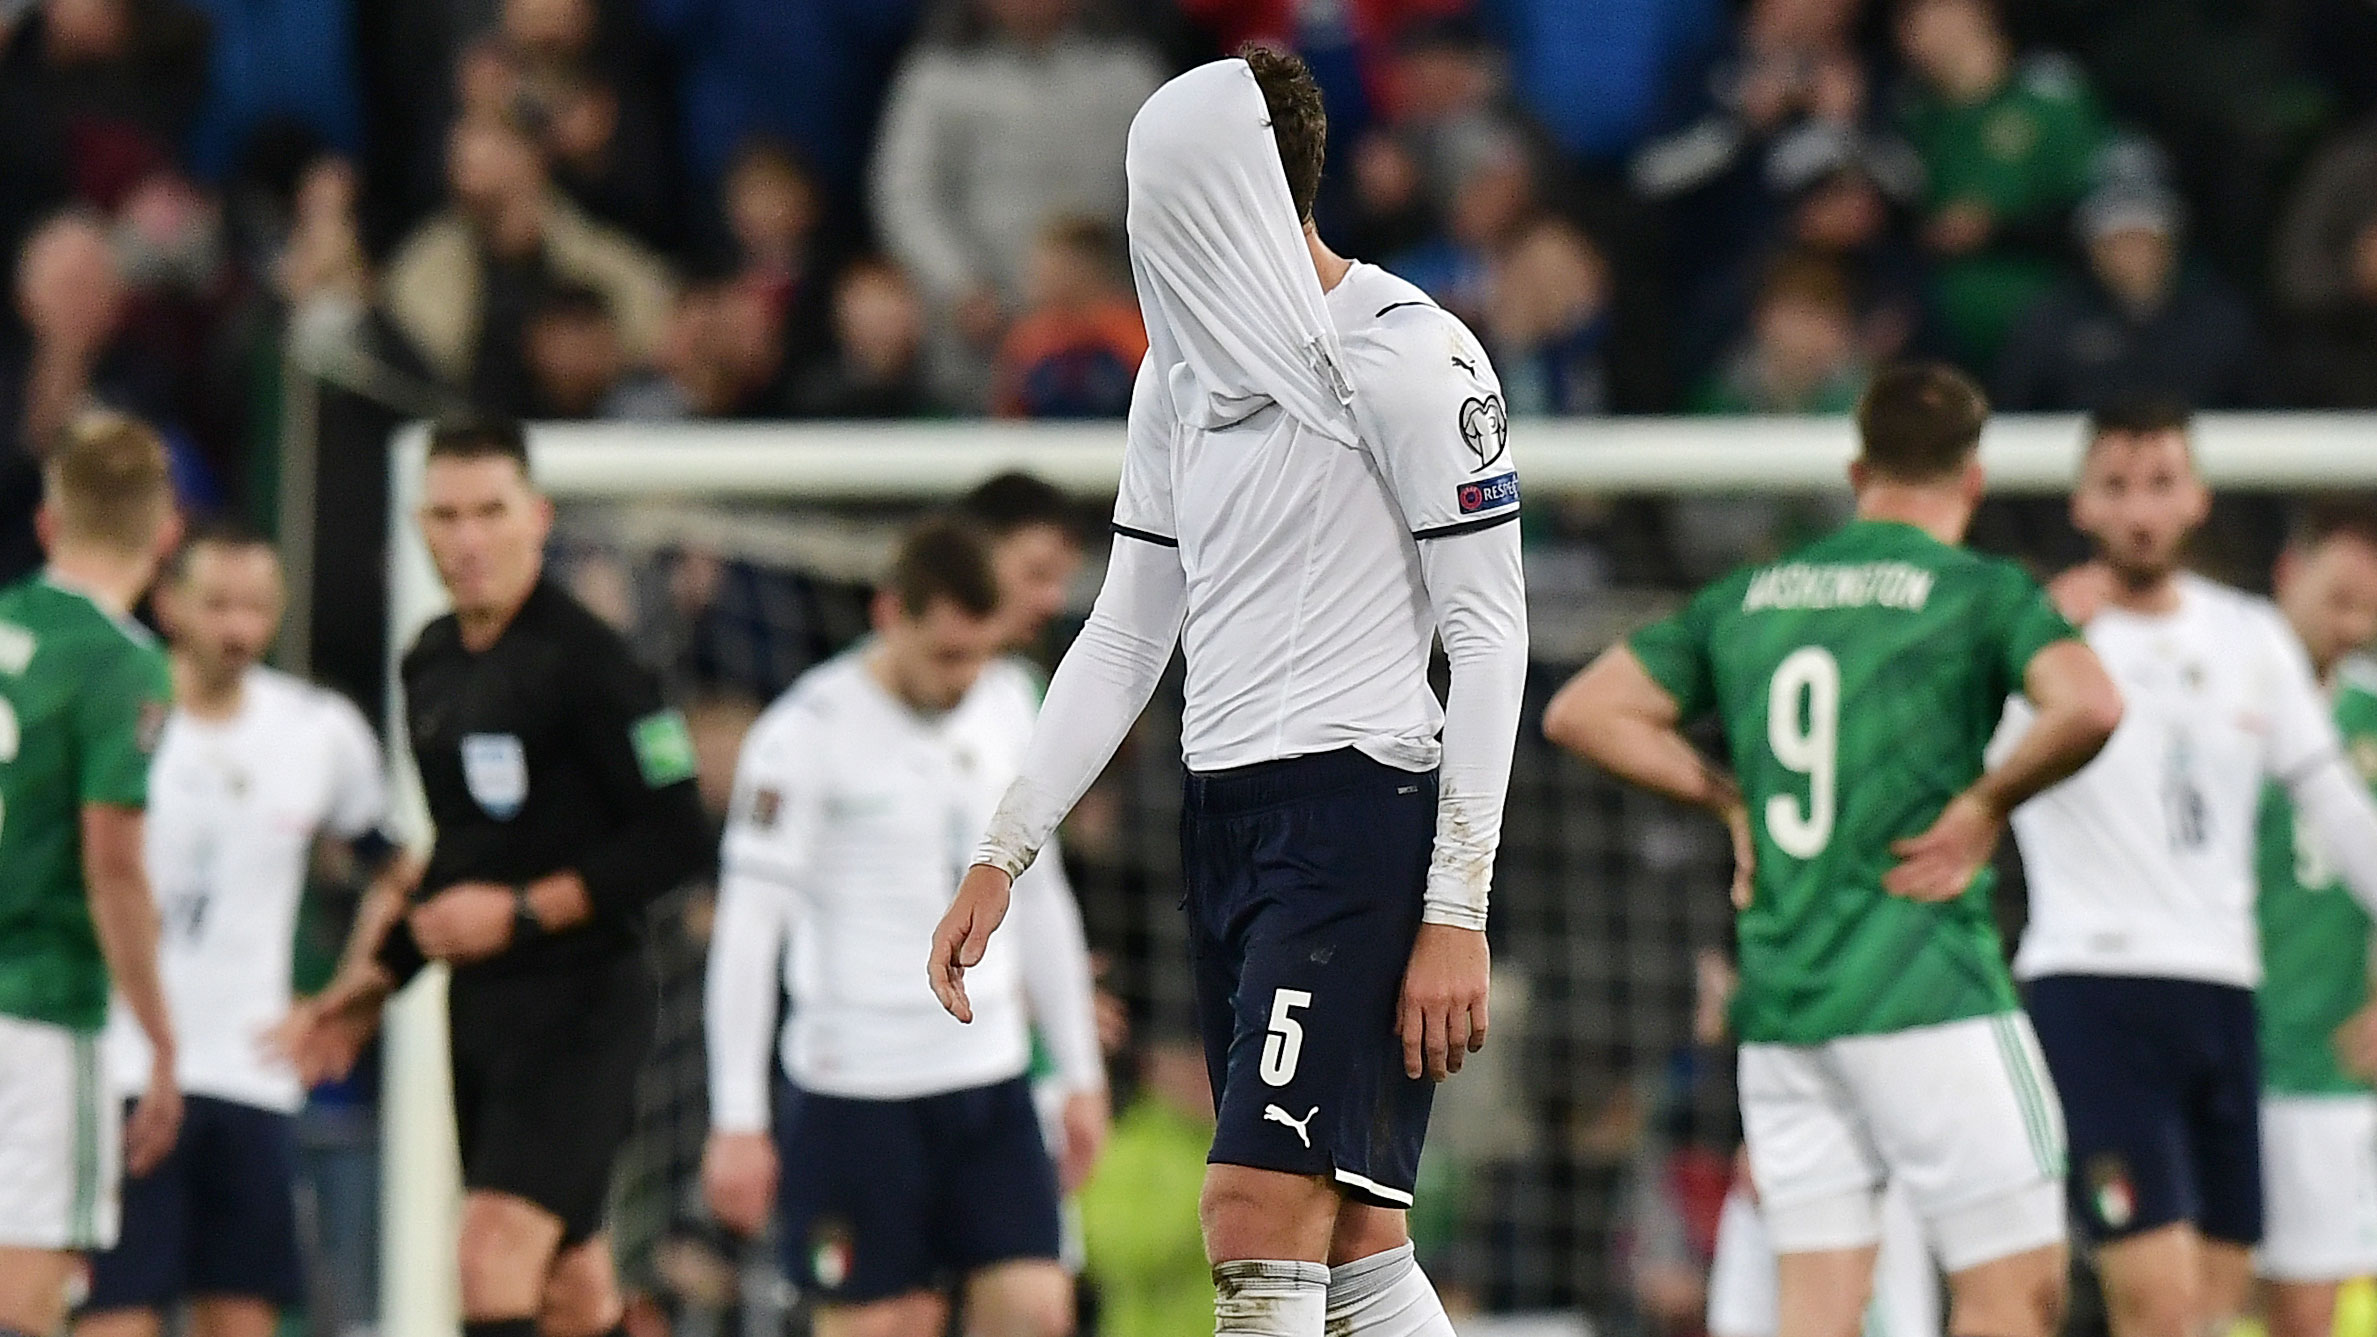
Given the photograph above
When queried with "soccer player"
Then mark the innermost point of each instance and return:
(252, 767)
(83, 694)
(562, 789)
(1317, 482)
(2318, 1027)
(910, 1149)
(1858, 681)
(2139, 960)
(1035, 549)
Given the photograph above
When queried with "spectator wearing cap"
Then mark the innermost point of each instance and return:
(1844, 195)
(1015, 115)
(2326, 272)
(2138, 325)
(1787, 65)
(461, 288)
(1076, 349)
(2008, 146)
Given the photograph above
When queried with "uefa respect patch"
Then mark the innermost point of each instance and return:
(1487, 494)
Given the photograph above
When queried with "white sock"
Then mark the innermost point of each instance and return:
(1259, 1298)
(1385, 1295)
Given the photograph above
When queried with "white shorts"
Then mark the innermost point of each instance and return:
(2319, 1188)
(1962, 1116)
(60, 1139)
(1744, 1299)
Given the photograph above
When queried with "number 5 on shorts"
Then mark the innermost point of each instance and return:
(1283, 1044)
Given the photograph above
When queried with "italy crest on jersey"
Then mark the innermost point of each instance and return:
(495, 768)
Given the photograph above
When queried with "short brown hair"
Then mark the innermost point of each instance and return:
(219, 532)
(2144, 415)
(108, 482)
(1919, 422)
(2331, 517)
(1299, 123)
(944, 557)
(479, 439)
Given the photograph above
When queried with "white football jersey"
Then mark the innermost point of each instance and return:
(859, 816)
(2142, 864)
(1304, 637)
(235, 806)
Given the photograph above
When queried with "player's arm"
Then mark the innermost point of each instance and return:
(2077, 708)
(764, 856)
(1061, 992)
(1433, 418)
(1097, 693)
(125, 915)
(1615, 715)
(2306, 754)
(116, 719)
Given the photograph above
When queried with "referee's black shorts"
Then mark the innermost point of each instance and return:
(1304, 880)
(545, 1068)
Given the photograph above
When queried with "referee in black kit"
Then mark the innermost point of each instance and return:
(562, 789)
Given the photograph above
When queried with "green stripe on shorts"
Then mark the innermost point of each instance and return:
(2029, 1093)
(82, 1222)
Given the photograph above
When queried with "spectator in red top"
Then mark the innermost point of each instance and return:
(1076, 349)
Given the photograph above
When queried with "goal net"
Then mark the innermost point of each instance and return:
(1581, 1151)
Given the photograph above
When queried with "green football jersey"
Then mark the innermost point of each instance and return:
(2314, 935)
(83, 695)
(1858, 681)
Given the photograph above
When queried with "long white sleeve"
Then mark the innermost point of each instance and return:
(2334, 806)
(1479, 592)
(1096, 695)
(739, 999)
(1057, 981)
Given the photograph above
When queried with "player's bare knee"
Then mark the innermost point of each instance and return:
(1363, 1231)
(1033, 1299)
(2018, 1296)
(506, 1248)
(581, 1292)
(1249, 1213)
(917, 1315)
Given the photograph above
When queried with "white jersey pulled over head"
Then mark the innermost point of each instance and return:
(2142, 864)
(1315, 487)
(854, 818)
(235, 808)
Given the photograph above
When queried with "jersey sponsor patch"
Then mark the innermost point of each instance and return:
(1488, 493)
(495, 770)
(1485, 429)
(664, 747)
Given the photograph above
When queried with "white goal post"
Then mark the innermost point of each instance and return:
(841, 462)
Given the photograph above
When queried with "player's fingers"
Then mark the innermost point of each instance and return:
(1456, 1037)
(1434, 1048)
(1477, 1024)
(1413, 1032)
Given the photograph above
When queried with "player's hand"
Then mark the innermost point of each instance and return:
(964, 934)
(1942, 862)
(739, 1180)
(156, 1121)
(469, 921)
(1086, 1118)
(1442, 1016)
(2356, 1043)
(2082, 592)
(322, 1036)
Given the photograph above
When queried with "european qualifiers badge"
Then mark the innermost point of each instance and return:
(495, 769)
(1488, 494)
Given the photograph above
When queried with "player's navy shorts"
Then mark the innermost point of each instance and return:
(882, 1198)
(545, 1068)
(2161, 1085)
(218, 1217)
(1304, 879)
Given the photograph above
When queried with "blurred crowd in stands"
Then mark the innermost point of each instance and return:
(671, 209)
